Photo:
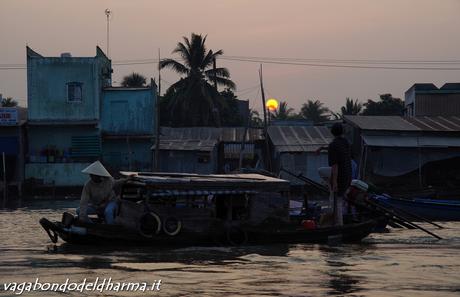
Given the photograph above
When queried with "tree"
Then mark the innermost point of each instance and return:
(229, 112)
(284, 112)
(315, 111)
(352, 107)
(134, 80)
(256, 121)
(194, 100)
(8, 102)
(387, 106)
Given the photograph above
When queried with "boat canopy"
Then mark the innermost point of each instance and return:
(211, 183)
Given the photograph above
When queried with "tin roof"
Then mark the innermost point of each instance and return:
(298, 138)
(398, 123)
(204, 138)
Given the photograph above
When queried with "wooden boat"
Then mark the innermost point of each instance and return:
(430, 209)
(191, 209)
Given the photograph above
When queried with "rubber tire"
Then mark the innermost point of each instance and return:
(241, 236)
(143, 228)
(175, 231)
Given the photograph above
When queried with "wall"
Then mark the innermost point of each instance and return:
(128, 111)
(187, 162)
(437, 104)
(116, 154)
(63, 174)
(47, 89)
(41, 137)
(305, 163)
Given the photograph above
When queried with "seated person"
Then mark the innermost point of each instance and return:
(98, 196)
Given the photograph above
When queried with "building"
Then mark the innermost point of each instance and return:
(207, 150)
(12, 145)
(77, 117)
(407, 154)
(127, 127)
(294, 149)
(427, 100)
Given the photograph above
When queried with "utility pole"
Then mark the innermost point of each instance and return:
(5, 188)
(267, 146)
(156, 166)
(108, 12)
(215, 75)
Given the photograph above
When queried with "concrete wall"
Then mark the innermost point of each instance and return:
(41, 137)
(128, 111)
(62, 174)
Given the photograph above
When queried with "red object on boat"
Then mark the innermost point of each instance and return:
(309, 224)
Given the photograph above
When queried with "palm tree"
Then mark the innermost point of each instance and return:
(195, 101)
(284, 112)
(8, 102)
(134, 80)
(315, 111)
(352, 107)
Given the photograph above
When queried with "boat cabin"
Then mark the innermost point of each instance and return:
(199, 201)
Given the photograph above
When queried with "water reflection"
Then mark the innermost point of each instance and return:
(400, 263)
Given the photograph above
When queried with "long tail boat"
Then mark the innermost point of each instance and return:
(166, 209)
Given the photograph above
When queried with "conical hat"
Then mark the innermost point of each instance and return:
(97, 169)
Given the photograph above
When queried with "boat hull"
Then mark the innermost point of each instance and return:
(434, 210)
(102, 234)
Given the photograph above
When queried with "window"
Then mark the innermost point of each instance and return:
(74, 91)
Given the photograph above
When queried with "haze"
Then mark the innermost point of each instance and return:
(359, 29)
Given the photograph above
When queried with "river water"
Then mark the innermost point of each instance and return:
(398, 263)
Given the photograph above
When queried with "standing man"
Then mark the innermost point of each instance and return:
(339, 155)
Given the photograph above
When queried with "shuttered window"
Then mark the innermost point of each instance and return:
(86, 146)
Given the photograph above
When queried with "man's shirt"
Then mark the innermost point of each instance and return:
(339, 153)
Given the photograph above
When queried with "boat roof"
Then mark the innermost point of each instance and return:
(210, 182)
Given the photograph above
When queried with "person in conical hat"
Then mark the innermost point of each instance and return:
(98, 196)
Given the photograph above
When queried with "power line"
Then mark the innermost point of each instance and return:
(337, 65)
(358, 61)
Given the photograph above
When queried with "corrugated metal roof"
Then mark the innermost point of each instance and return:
(204, 138)
(411, 141)
(397, 123)
(299, 139)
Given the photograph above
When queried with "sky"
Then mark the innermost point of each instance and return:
(325, 29)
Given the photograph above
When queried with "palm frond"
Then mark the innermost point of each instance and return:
(221, 71)
(173, 64)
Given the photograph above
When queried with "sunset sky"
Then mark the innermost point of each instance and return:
(355, 29)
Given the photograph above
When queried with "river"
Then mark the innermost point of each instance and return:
(398, 263)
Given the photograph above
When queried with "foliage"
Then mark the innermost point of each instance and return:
(315, 111)
(8, 102)
(352, 107)
(256, 120)
(134, 80)
(193, 100)
(283, 112)
(388, 105)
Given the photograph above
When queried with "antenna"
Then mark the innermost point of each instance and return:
(108, 13)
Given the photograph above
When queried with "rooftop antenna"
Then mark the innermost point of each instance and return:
(108, 13)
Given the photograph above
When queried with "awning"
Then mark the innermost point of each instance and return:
(200, 193)
(411, 141)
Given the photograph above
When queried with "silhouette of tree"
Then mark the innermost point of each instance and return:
(9, 102)
(388, 105)
(315, 111)
(134, 80)
(194, 100)
(284, 112)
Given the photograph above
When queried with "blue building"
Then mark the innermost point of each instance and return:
(77, 117)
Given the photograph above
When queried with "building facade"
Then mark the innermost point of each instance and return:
(428, 100)
(77, 117)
